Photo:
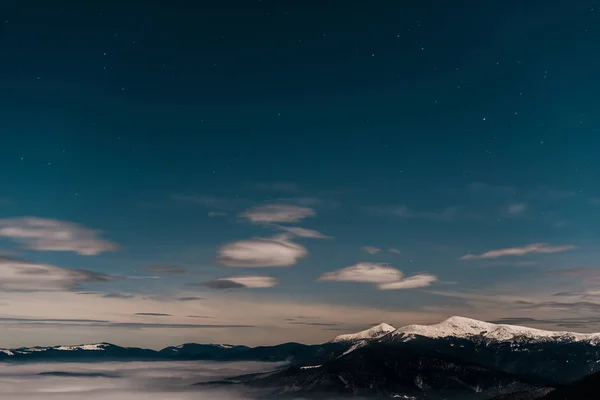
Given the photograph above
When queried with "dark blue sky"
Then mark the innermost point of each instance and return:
(163, 134)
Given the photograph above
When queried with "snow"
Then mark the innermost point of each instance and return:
(461, 327)
(310, 367)
(357, 345)
(7, 352)
(372, 333)
(92, 347)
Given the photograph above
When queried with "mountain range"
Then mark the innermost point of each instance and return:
(459, 358)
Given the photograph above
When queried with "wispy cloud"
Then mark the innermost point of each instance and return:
(53, 235)
(282, 213)
(516, 208)
(402, 211)
(261, 252)
(214, 214)
(190, 298)
(565, 306)
(153, 314)
(22, 275)
(519, 251)
(382, 275)
(303, 232)
(411, 282)
(393, 250)
(118, 296)
(371, 249)
(238, 282)
(577, 272)
(165, 269)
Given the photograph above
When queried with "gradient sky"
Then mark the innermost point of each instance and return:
(158, 159)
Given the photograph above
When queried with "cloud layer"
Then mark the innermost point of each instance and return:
(519, 251)
(22, 275)
(124, 381)
(54, 235)
(261, 252)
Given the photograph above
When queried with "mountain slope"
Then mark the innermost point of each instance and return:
(554, 357)
(586, 389)
(397, 370)
(373, 333)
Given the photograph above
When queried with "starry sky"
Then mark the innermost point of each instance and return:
(264, 171)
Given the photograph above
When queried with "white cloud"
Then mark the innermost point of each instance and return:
(54, 235)
(517, 208)
(411, 282)
(364, 272)
(126, 380)
(235, 282)
(519, 251)
(283, 213)
(383, 276)
(21, 275)
(261, 252)
(393, 250)
(303, 232)
(371, 249)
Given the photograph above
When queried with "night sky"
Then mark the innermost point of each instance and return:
(265, 171)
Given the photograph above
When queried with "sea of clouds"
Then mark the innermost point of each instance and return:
(124, 380)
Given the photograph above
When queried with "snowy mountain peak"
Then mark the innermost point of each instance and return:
(372, 333)
(462, 327)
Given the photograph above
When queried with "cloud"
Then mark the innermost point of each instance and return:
(371, 249)
(446, 215)
(239, 282)
(22, 275)
(393, 250)
(54, 235)
(118, 296)
(519, 251)
(565, 306)
(154, 380)
(152, 314)
(364, 272)
(261, 252)
(578, 272)
(383, 276)
(213, 214)
(165, 269)
(516, 208)
(411, 282)
(190, 298)
(72, 322)
(303, 232)
(312, 323)
(283, 213)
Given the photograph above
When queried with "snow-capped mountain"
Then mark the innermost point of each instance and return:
(375, 332)
(467, 328)
(38, 349)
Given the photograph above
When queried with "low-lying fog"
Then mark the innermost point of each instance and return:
(123, 381)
